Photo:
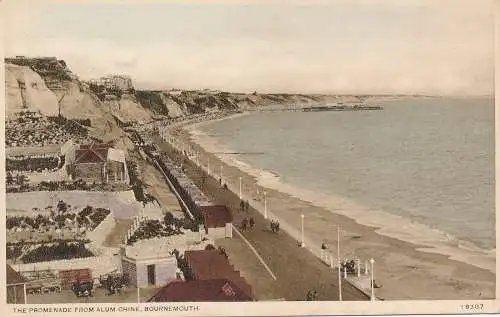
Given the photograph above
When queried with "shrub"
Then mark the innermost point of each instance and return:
(86, 212)
(60, 251)
(169, 219)
(13, 252)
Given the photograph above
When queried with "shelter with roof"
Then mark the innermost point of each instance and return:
(97, 162)
(212, 264)
(214, 290)
(16, 287)
(217, 221)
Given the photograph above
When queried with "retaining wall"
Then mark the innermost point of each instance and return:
(97, 265)
(99, 234)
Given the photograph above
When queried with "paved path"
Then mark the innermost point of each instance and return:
(297, 269)
(255, 252)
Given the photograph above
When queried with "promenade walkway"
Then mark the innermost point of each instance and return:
(297, 270)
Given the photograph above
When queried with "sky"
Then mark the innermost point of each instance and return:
(435, 47)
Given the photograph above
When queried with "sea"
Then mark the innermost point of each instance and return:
(428, 160)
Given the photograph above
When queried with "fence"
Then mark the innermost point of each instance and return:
(361, 279)
(189, 240)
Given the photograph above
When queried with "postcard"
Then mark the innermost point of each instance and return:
(222, 158)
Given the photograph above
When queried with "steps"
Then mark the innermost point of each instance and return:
(118, 234)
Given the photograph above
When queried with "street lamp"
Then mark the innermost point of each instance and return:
(265, 205)
(372, 261)
(302, 244)
(221, 167)
(338, 263)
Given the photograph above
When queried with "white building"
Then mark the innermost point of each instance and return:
(147, 271)
(152, 262)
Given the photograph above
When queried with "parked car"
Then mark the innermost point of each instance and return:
(83, 288)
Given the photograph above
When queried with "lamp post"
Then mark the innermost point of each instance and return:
(240, 188)
(338, 262)
(372, 261)
(221, 167)
(265, 205)
(302, 244)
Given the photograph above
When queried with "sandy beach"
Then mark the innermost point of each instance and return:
(431, 274)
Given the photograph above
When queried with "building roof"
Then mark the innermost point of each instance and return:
(216, 216)
(14, 277)
(208, 264)
(211, 264)
(90, 156)
(214, 290)
(92, 153)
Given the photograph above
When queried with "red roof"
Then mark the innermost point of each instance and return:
(92, 153)
(211, 264)
(14, 277)
(216, 216)
(214, 290)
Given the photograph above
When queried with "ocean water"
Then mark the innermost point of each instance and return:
(428, 160)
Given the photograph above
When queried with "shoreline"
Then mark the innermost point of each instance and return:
(278, 191)
(457, 249)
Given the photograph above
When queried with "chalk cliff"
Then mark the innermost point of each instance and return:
(47, 85)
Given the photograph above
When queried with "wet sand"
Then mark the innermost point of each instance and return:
(404, 271)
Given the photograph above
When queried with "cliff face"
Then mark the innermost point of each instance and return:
(174, 103)
(48, 86)
(26, 90)
(45, 85)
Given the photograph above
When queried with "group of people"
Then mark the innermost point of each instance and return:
(312, 295)
(248, 222)
(244, 205)
(275, 226)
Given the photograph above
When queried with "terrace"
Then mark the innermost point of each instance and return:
(58, 251)
(32, 129)
(150, 229)
(18, 185)
(38, 163)
(46, 225)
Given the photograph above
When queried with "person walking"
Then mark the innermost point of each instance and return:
(252, 222)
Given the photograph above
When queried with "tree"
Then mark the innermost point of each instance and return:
(169, 219)
(10, 178)
(62, 206)
(21, 179)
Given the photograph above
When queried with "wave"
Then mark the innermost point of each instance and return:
(426, 239)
